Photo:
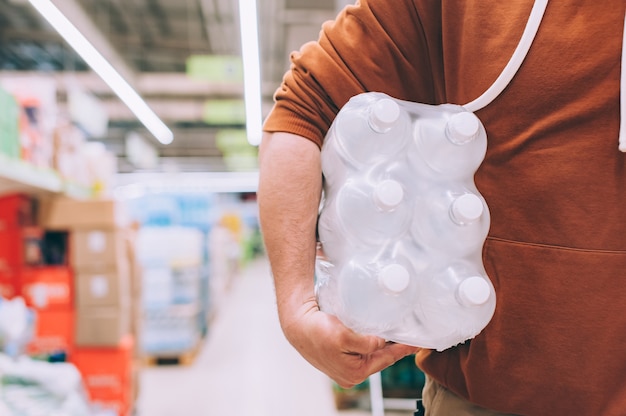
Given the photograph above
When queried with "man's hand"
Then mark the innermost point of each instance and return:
(345, 356)
(290, 187)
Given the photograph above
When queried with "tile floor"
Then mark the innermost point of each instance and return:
(245, 366)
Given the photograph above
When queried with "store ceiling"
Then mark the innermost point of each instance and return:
(149, 41)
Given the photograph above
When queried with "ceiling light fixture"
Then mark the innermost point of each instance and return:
(251, 70)
(104, 69)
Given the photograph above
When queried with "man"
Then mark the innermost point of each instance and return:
(553, 177)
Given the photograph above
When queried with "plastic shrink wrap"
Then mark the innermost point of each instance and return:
(402, 223)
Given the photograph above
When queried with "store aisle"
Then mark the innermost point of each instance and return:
(246, 366)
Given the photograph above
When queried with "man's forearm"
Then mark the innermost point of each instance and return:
(289, 195)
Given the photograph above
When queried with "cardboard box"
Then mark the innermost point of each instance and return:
(62, 213)
(109, 374)
(21, 247)
(102, 326)
(98, 249)
(54, 332)
(17, 211)
(47, 288)
(102, 288)
(136, 268)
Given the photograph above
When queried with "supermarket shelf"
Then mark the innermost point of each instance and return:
(76, 191)
(19, 176)
(132, 184)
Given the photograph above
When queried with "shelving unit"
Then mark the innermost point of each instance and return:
(19, 176)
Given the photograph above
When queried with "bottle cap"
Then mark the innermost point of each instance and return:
(384, 114)
(463, 127)
(394, 278)
(388, 194)
(474, 291)
(467, 208)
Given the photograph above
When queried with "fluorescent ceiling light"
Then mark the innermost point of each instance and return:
(251, 69)
(104, 69)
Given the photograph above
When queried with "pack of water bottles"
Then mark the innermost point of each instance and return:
(402, 224)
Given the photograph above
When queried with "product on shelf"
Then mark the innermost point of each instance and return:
(171, 332)
(172, 318)
(68, 141)
(72, 265)
(9, 128)
(33, 268)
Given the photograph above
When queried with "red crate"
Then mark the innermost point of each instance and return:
(46, 288)
(9, 283)
(21, 247)
(17, 210)
(108, 373)
(54, 332)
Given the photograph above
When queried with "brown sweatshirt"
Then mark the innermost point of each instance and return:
(553, 177)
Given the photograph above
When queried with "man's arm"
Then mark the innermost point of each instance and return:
(289, 196)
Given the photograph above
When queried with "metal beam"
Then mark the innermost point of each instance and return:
(147, 85)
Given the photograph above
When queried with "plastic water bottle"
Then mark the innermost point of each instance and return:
(364, 213)
(452, 145)
(372, 295)
(373, 128)
(402, 223)
(459, 220)
(454, 293)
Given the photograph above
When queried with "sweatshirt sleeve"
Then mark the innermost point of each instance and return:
(374, 45)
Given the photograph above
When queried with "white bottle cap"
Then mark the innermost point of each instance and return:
(467, 208)
(463, 127)
(395, 278)
(384, 114)
(388, 194)
(474, 291)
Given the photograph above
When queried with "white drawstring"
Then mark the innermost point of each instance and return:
(520, 53)
(509, 71)
(622, 127)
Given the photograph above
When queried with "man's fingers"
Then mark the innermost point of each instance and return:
(386, 357)
(362, 344)
(363, 365)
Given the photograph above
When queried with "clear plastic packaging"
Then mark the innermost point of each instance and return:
(402, 223)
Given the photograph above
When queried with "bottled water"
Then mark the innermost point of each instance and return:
(372, 130)
(366, 212)
(456, 302)
(459, 219)
(402, 224)
(450, 146)
(386, 284)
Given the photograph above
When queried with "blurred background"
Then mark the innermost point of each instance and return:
(133, 278)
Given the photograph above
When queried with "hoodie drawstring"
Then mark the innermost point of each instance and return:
(622, 85)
